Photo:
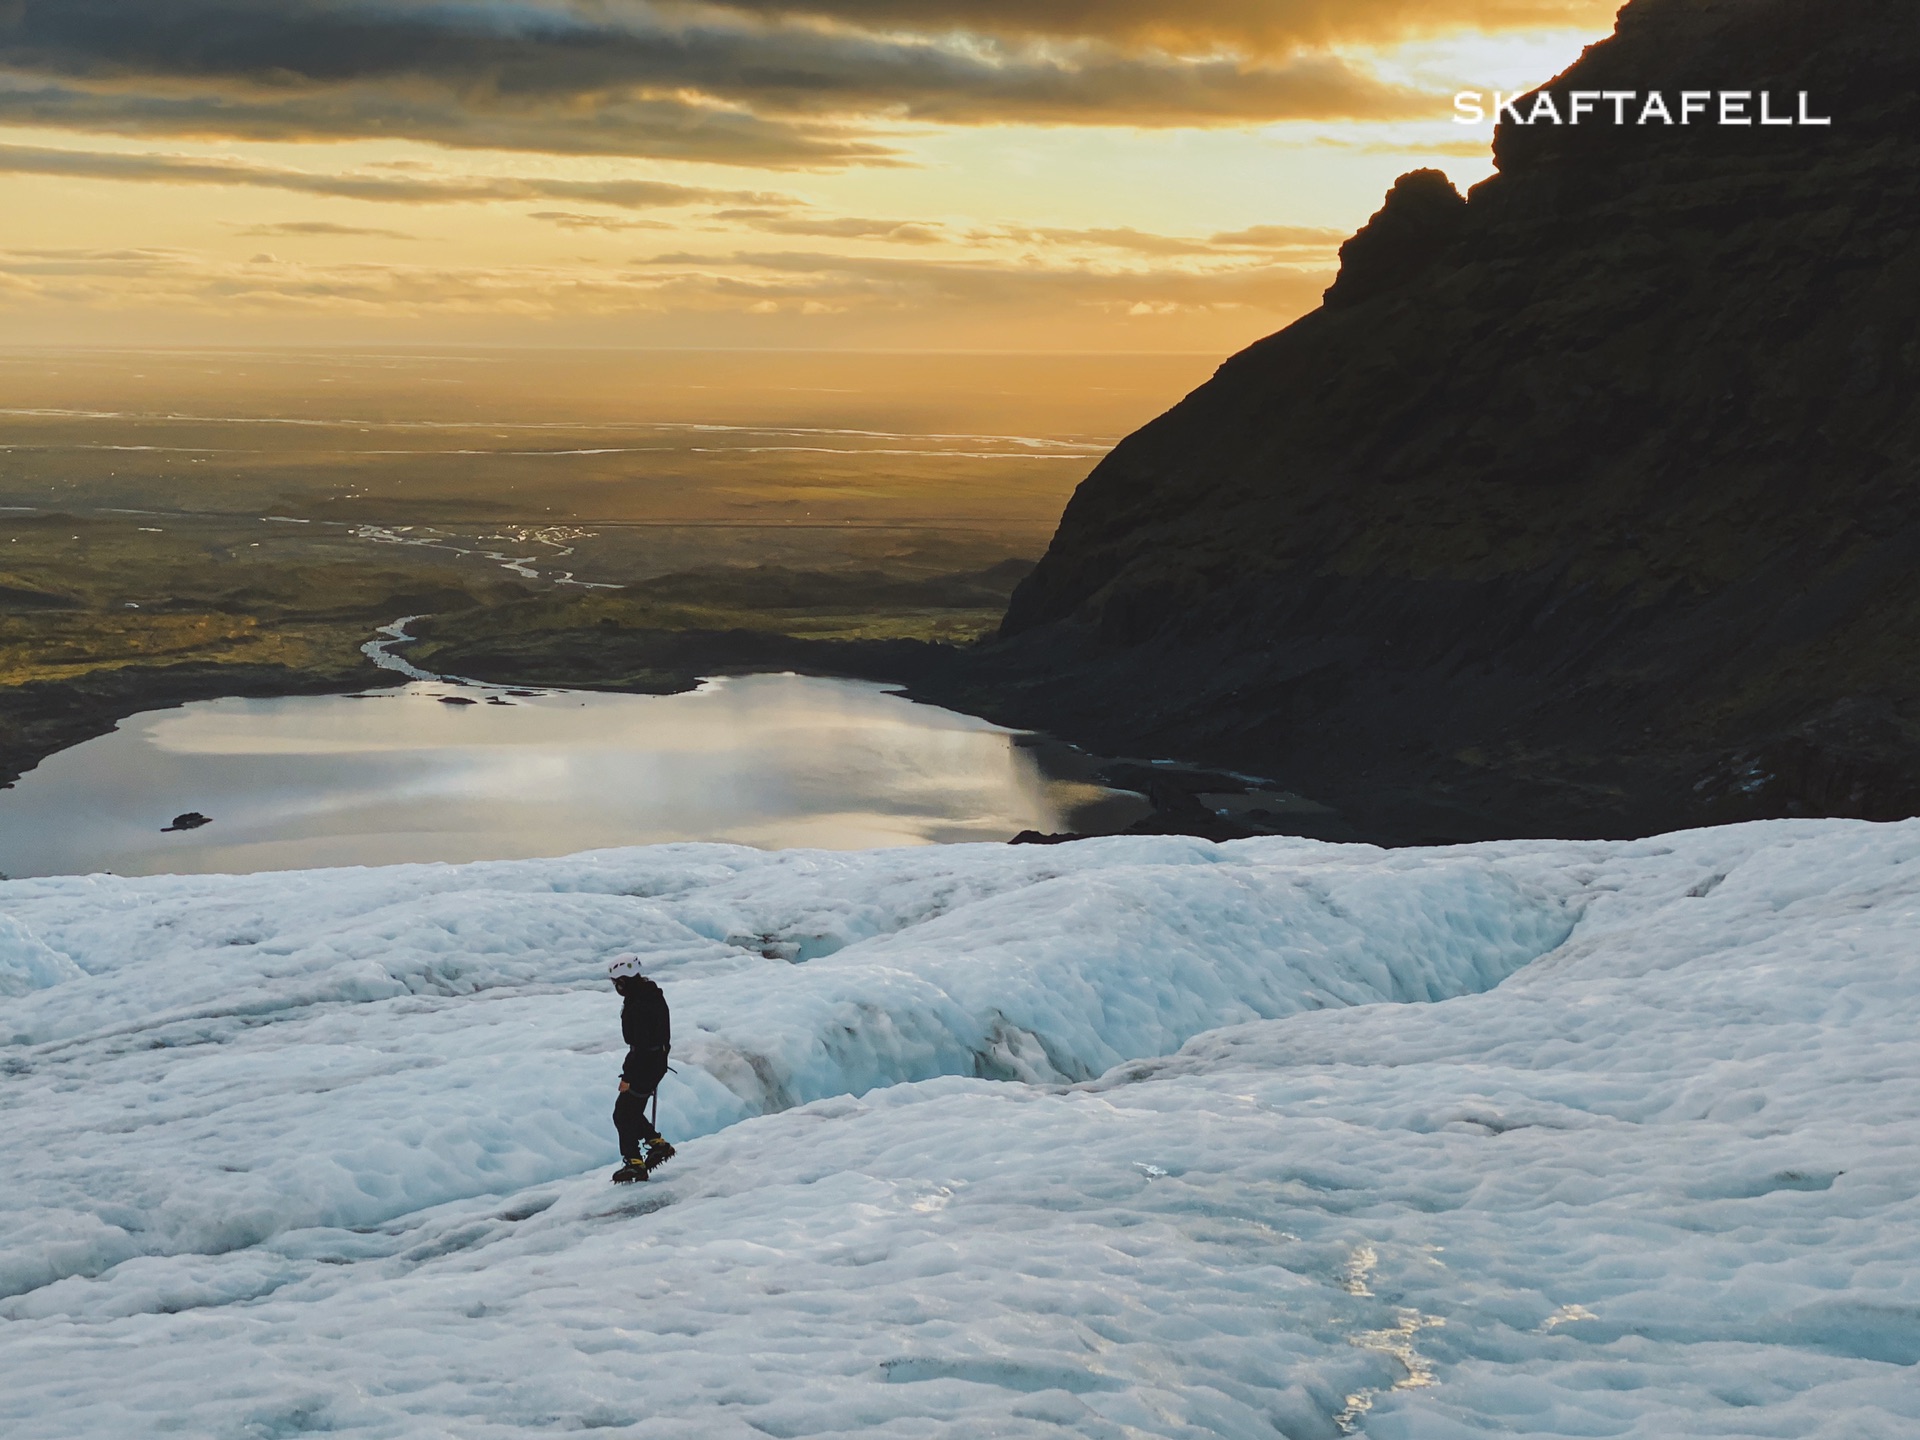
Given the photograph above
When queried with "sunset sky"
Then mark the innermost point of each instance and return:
(927, 174)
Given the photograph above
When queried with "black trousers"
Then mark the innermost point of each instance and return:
(630, 1110)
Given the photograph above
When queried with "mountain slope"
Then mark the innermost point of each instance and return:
(1584, 507)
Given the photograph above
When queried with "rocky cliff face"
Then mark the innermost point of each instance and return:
(1589, 505)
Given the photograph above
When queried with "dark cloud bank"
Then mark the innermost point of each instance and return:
(755, 81)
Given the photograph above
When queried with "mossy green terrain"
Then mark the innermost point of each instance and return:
(80, 594)
(103, 615)
(204, 523)
(662, 634)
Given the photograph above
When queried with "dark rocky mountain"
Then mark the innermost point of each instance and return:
(1586, 505)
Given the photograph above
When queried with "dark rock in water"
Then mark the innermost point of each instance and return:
(1589, 506)
(192, 820)
(455, 700)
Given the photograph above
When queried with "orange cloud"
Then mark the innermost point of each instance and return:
(391, 185)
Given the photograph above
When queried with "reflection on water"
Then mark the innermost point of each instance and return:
(403, 775)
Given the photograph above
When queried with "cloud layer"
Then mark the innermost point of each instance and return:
(747, 283)
(1260, 25)
(763, 82)
(777, 85)
(406, 187)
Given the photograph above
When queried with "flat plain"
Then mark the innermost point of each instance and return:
(183, 524)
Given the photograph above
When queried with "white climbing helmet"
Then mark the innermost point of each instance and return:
(623, 966)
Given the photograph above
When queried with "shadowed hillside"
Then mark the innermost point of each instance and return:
(1589, 505)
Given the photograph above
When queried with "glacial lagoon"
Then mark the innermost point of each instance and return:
(439, 771)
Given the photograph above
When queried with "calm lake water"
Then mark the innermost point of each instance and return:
(401, 775)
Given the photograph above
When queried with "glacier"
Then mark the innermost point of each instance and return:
(1143, 1136)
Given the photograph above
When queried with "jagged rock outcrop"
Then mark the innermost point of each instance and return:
(1423, 215)
(1590, 506)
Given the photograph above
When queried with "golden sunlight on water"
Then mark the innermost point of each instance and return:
(414, 774)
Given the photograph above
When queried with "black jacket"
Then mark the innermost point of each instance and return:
(647, 1027)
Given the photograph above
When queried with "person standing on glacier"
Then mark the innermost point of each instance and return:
(647, 1026)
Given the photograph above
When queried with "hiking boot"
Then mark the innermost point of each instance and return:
(633, 1170)
(658, 1153)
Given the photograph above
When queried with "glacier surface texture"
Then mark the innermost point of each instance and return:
(1132, 1137)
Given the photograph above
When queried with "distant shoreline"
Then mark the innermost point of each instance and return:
(42, 718)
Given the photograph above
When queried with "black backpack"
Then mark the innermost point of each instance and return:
(645, 1021)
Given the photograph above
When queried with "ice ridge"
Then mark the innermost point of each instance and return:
(339, 1048)
(1121, 1139)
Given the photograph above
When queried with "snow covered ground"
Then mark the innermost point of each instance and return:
(1134, 1137)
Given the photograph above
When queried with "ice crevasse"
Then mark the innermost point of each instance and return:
(1130, 1137)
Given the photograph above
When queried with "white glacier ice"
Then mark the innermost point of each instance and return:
(26, 963)
(1133, 1137)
